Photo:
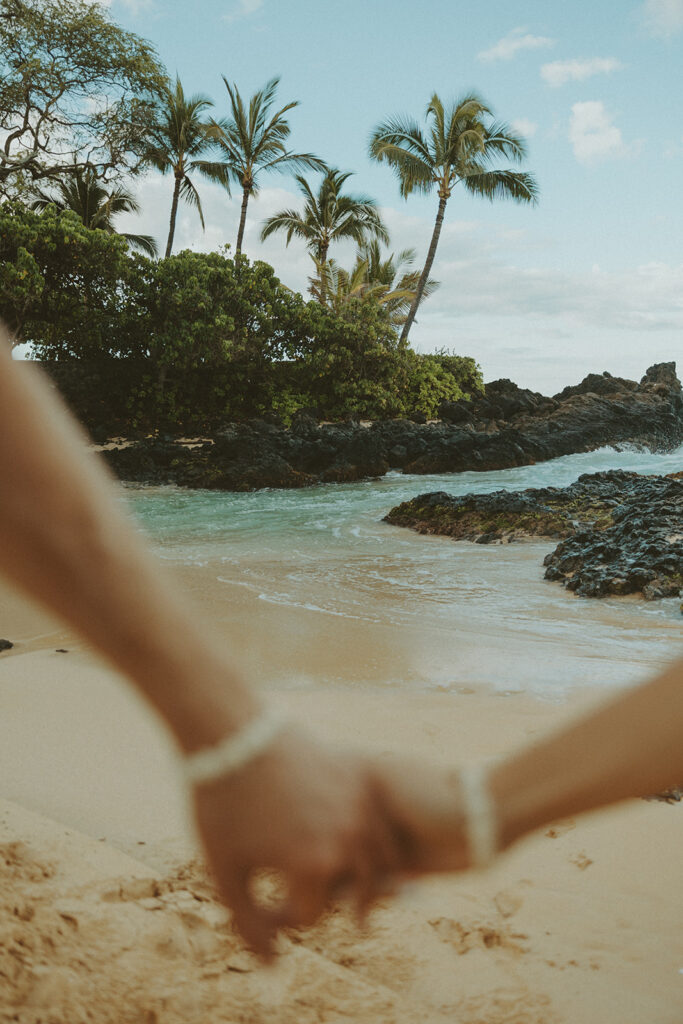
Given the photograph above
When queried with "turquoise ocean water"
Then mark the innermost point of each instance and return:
(424, 611)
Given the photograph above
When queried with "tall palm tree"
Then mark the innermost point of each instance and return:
(460, 146)
(328, 216)
(82, 192)
(179, 138)
(252, 140)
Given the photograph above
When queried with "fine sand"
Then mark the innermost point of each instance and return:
(106, 914)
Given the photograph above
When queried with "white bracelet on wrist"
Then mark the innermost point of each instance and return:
(234, 752)
(481, 820)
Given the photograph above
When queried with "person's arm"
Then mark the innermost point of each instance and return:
(630, 746)
(66, 541)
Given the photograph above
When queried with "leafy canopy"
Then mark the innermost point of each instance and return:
(59, 281)
(75, 90)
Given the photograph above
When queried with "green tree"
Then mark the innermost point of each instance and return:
(201, 309)
(252, 142)
(179, 138)
(75, 89)
(328, 216)
(460, 147)
(85, 195)
(59, 281)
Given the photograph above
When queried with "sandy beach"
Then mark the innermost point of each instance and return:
(107, 914)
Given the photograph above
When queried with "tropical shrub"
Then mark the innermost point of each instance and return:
(187, 343)
(59, 281)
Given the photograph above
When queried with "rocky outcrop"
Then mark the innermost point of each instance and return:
(508, 426)
(623, 532)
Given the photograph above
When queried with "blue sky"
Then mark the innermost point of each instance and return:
(591, 278)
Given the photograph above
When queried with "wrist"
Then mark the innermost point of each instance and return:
(520, 799)
(235, 751)
(202, 697)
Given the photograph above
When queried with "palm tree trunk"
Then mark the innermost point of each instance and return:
(174, 211)
(424, 277)
(322, 265)
(243, 219)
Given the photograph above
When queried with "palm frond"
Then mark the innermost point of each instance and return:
(144, 243)
(503, 140)
(289, 221)
(189, 193)
(502, 184)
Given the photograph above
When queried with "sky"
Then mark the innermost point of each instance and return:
(589, 279)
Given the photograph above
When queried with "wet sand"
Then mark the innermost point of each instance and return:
(106, 915)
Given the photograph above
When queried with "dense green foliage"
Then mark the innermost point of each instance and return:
(58, 279)
(191, 341)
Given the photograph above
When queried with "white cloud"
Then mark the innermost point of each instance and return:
(516, 40)
(524, 126)
(663, 17)
(593, 135)
(243, 9)
(560, 71)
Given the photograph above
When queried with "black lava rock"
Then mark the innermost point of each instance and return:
(508, 426)
(622, 532)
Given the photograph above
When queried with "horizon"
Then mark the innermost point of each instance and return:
(591, 279)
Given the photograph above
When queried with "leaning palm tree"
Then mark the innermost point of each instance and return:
(460, 147)
(82, 192)
(328, 216)
(179, 138)
(252, 141)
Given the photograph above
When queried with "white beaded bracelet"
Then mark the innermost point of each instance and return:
(234, 752)
(481, 823)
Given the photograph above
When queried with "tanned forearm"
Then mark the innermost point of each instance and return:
(631, 746)
(67, 542)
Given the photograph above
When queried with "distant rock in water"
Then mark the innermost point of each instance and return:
(508, 426)
(6, 645)
(623, 532)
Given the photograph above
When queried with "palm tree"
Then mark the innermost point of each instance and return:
(391, 280)
(328, 216)
(82, 192)
(460, 147)
(383, 279)
(253, 141)
(179, 138)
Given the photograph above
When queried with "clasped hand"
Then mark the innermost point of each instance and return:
(329, 824)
